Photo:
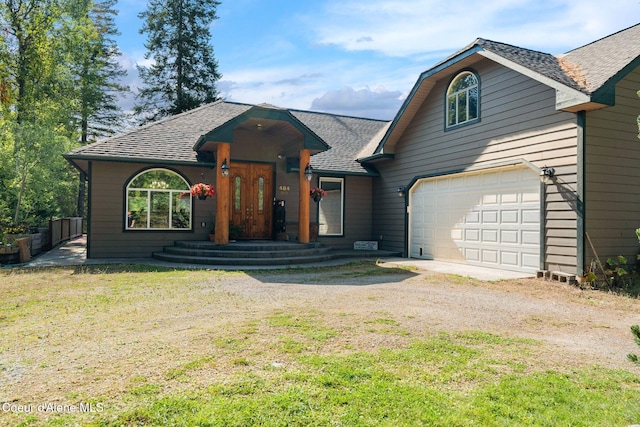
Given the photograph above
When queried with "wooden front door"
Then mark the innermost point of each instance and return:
(251, 200)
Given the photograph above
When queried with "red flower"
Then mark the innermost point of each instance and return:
(317, 192)
(202, 190)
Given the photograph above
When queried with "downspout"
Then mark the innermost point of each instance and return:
(407, 211)
(581, 192)
(543, 225)
(89, 206)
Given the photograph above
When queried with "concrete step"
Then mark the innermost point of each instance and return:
(257, 253)
(238, 252)
(200, 260)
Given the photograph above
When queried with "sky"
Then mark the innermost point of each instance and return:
(362, 57)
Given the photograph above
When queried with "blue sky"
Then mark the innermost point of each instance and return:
(362, 57)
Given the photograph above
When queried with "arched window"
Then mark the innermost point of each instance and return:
(463, 99)
(158, 199)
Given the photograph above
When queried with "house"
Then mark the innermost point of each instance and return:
(500, 156)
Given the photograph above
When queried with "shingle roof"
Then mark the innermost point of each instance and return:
(586, 68)
(347, 136)
(542, 63)
(605, 58)
(172, 139)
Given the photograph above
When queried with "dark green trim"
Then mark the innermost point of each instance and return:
(581, 193)
(424, 76)
(224, 133)
(543, 227)
(407, 250)
(89, 199)
(606, 94)
(472, 169)
(140, 160)
(344, 207)
(376, 157)
(338, 174)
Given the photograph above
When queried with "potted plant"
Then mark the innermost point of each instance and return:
(202, 191)
(235, 231)
(317, 194)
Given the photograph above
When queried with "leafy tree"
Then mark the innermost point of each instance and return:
(58, 87)
(184, 69)
(35, 119)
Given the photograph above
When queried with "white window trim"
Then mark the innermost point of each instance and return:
(341, 181)
(149, 190)
(457, 94)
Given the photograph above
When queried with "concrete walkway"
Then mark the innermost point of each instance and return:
(74, 252)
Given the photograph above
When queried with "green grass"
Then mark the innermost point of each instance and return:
(449, 380)
(177, 358)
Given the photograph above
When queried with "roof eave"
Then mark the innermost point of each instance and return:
(224, 132)
(147, 160)
(331, 172)
(375, 158)
(606, 94)
(566, 97)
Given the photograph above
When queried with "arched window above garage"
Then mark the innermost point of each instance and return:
(463, 99)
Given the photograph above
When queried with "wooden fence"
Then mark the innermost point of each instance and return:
(62, 229)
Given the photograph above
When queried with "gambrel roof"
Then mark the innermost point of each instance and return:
(584, 78)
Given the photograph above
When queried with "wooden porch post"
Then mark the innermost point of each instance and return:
(222, 195)
(303, 211)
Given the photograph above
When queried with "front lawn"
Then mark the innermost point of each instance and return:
(133, 346)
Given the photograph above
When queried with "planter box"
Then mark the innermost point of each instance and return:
(9, 250)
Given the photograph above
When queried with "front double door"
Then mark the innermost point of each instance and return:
(251, 200)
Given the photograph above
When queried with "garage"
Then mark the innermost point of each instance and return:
(489, 218)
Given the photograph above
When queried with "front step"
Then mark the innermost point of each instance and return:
(254, 253)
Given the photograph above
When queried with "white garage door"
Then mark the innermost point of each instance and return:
(489, 218)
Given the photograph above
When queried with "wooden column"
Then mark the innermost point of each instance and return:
(303, 211)
(222, 195)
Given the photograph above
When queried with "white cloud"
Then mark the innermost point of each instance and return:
(331, 52)
(401, 28)
(377, 104)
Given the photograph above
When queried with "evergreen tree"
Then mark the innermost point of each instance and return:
(98, 72)
(94, 55)
(184, 69)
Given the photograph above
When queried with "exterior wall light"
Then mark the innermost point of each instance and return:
(308, 173)
(546, 173)
(224, 169)
(401, 191)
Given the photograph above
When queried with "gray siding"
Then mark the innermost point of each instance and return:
(107, 237)
(518, 121)
(613, 174)
(358, 216)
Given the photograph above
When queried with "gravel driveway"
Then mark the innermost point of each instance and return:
(579, 324)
